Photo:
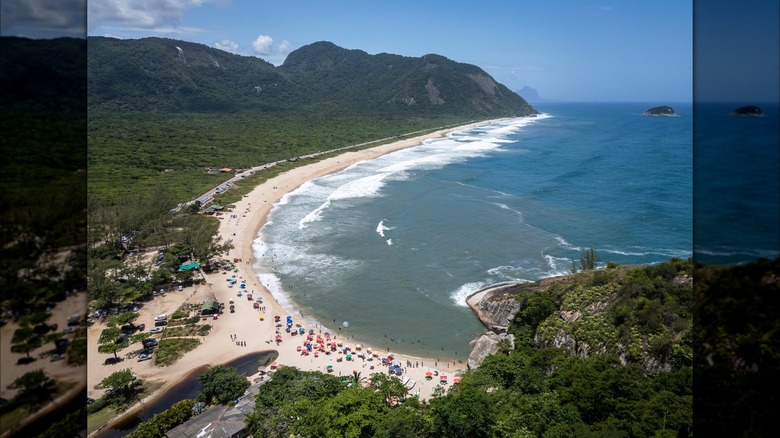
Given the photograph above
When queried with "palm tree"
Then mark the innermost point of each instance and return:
(356, 377)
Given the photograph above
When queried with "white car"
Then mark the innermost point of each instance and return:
(156, 330)
(143, 357)
(162, 317)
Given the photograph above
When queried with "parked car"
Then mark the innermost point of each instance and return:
(162, 317)
(160, 323)
(120, 340)
(149, 342)
(61, 343)
(156, 330)
(56, 356)
(68, 330)
(90, 400)
(112, 360)
(143, 357)
(141, 327)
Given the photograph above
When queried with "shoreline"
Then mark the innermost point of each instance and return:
(242, 225)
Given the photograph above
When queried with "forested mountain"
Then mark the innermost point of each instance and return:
(157, 74)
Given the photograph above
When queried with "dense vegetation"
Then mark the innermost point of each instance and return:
(43, 224)
(737, 340)
(42, 132)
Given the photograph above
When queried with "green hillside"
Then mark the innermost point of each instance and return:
(161, 111)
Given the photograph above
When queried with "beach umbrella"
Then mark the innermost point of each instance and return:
(456, 380)
(330, 368)
(273, 365)
(397, 362)
(429, 375)
(349, 357)
(308, 346)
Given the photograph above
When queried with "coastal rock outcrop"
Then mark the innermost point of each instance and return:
(487, 344)
(618, 311)
(660, 111)
(497, 311)
(750, 110)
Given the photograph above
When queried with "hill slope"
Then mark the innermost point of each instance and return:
(158, 74)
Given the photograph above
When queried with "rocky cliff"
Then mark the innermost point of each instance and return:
(639, 314)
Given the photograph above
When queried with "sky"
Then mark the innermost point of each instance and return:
(571, 50)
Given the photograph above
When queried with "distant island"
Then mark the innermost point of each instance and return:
(531, 95)
(660, 111)
(750, 110)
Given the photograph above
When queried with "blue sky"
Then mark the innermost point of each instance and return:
(570, 50)
(586, 50)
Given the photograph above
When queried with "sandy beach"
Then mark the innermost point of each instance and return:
(241, 226)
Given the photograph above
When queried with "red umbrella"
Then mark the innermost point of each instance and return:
(456, 380)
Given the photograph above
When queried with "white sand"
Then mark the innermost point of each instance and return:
(217, 348)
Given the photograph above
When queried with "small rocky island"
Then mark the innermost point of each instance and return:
(750, 110)
(660, 111)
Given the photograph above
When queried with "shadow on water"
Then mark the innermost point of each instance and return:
(186, 389)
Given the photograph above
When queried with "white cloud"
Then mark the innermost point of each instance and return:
(43, 18)
(227, 45)
(283, 47)
(147, 14)
(263, 45)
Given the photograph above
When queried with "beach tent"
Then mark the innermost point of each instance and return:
(330, 368)
(429, 375)
(189, 266)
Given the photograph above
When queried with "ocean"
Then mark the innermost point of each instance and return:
(389, 249)
(736, 184)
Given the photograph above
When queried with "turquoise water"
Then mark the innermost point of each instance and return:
(393, 246)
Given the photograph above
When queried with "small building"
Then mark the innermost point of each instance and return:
(216, 422)
(210, 307)
(219, 421)
(213, 209)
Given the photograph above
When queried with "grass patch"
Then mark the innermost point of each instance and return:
(190, 320)
(99, 418)
(170, 350)
(11, 419)
(187, 330)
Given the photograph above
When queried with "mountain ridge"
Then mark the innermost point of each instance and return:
(161, 74)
